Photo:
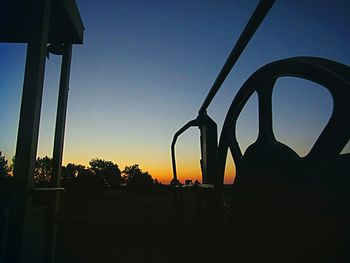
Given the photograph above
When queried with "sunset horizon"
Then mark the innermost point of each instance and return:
(174, 131)
(135, 83)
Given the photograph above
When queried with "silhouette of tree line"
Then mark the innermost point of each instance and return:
(5, 169)
(96, 178)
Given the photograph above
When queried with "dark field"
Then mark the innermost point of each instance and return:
(126, 227)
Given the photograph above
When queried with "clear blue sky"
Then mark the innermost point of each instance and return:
(146, 66)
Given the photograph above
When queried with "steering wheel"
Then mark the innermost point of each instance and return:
(277, 189)
(267, 157)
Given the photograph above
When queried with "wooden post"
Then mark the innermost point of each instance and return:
(58, 146)
(27, 139)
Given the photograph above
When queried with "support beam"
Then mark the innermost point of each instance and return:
(61, 114)
(58, 146)
(27, 139)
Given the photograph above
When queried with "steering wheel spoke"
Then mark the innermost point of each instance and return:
(267, 156)
(265, 112)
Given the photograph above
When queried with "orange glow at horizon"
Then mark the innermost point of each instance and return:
(161, 171)
(188, 166)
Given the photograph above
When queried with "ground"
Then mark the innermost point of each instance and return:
(121, 226)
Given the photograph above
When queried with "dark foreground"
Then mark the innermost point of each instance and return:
(123, 227)
(127, 227)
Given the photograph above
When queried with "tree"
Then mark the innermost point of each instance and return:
(43, 171)
(87, 181)
(12, 165)
(69, 176)
(71, 171)
(106, 171)
(135, 179)
(4, 168)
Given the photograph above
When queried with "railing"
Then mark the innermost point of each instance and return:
(56, 189)
(45, 208)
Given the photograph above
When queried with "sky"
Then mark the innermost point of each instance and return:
(146, 66)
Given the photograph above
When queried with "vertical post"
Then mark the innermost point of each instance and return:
(27, 139)
(58, 146)
(61, 113)
(208, 140)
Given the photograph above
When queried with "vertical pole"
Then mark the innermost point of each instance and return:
(61, 114)
(27, 139)
(209, 148)
(58, 146)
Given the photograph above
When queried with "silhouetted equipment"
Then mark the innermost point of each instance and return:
(31, 231)
(254, 22)
(208, 128)
(296, 205)
(206, 125)
(192, 123)
(267, 154)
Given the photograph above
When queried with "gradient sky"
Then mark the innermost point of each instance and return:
(146, 67)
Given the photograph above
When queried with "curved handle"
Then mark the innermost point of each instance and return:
(192, 123)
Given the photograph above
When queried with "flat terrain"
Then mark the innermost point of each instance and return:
(124, 227)
(120, 226)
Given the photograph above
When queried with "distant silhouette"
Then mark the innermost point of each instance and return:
(175, 182)
(107, 171)
(188, 182)
(43, 171)
(135, 179)
(4, 167)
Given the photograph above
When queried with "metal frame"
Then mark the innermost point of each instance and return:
(206, 125)
(208, 128)
(267, 158)
(39, 24)
(27, 138)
